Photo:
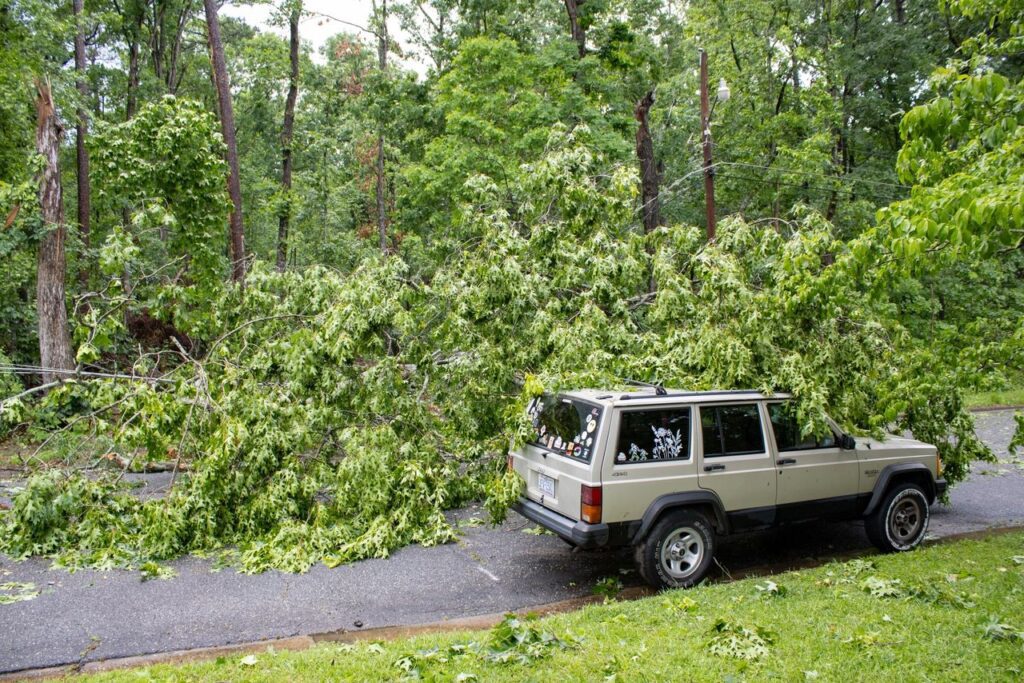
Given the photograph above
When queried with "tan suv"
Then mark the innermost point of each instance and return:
(669, 471)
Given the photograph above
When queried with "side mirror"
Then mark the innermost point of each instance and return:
(847, 442)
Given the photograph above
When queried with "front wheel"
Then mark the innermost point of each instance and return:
(679, 550)
(900, 521)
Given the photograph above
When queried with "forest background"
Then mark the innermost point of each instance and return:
(320, 288)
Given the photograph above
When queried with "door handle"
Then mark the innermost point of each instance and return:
(713, 468)
(786, 461)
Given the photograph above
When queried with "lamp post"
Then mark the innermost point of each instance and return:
(705, 126)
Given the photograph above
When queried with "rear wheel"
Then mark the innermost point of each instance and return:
(679, 550)
(900, 522)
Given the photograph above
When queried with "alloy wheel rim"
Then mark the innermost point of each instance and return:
(906, 519)
(682, 552)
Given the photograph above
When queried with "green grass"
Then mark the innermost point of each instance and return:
(994, 399)
(949, 612)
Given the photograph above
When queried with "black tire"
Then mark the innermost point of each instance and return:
(900, 521)
(678, 551)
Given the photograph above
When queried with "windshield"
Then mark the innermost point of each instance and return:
(564, 426)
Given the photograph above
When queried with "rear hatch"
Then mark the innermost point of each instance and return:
(559, 457)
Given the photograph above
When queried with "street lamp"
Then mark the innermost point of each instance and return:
(705, 127)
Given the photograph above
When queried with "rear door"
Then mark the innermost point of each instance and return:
(559, 458)
(736, 463)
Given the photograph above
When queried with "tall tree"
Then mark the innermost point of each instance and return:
(227, 125)
(286, 134)
(579, 33)
(650, 173)
(54, 340)
(81, 130)
(380, 12)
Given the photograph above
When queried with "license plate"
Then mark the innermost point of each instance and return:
(545, 484)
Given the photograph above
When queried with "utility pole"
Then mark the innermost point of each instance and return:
(705, 127)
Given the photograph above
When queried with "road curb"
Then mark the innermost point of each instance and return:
(386, 633)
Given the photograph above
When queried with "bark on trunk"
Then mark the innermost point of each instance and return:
(579, 34)
(382, 58)
(54, 340)
(286, 138)
(81, 130)
(132, 35)
(650, 173)
(236, 233)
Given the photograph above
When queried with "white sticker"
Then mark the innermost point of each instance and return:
(558, 442)
(591, 426)
(621, 457)
(590, 441)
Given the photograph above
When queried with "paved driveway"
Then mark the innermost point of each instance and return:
(92, 615)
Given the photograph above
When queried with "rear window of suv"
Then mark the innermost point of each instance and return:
(564, 426)
(653, 435)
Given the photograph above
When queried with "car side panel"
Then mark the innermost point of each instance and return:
(747, 484)
(630, 488)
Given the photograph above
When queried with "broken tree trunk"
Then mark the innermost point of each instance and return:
(54, 339)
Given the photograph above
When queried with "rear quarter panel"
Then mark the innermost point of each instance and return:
(629, 488)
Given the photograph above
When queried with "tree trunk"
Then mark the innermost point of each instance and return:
(133, 31)
(901, 11)
(236, 232)
(382, 58)
(174, 75)
(650, 173)
(286, 138)
(54, 340)
(81, 130)
(579, 34)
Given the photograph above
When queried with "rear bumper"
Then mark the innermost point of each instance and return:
(586, 536)
(940, 487)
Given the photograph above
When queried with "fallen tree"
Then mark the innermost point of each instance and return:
(333, 417)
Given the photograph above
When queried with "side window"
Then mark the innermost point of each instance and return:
(649, 435)
(787, 431)
(731, 430)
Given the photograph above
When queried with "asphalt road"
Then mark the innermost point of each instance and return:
(93, 615)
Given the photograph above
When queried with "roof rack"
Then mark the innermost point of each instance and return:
(676, 394)
(659, 390)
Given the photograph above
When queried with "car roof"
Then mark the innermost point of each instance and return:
(649, 396)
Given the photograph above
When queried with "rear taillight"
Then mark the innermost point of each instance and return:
(590, 504)
(510, 462)
(938, 466)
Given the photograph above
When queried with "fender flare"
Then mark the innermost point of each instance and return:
(671, 501)
(889, 472)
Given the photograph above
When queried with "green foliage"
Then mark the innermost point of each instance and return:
(166, 168)
(739, 641)
(336, 411)
(335, 417)
(608, 588)
(13, 591)
(522, 639)
(501, 493)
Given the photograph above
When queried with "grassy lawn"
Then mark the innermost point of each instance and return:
(992, 399)
(950, 612)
